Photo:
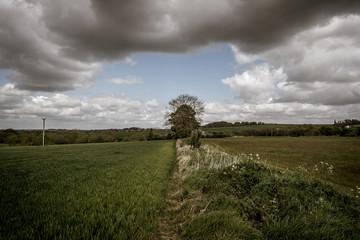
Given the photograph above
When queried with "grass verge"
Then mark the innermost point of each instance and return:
(223, 196)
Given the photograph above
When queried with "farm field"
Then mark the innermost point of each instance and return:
(85, 191)
(309, 153)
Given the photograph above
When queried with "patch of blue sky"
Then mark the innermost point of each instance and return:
(165, 76)
(3, 74)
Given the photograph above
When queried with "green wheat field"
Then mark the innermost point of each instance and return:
(92, 191)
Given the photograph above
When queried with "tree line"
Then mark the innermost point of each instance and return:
(229, 124)
(293, 131)
(62, 136)
(346, 122)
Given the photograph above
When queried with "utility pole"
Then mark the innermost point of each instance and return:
(43, 119)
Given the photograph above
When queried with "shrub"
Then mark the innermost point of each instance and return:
(248, 199)
(195, 139)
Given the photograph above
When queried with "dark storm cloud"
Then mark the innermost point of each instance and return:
(57, 45)
(111, 28)
(103, 30)
(35, 61)
(261, 24)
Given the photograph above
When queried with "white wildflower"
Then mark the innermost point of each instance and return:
(319, 200)
(316, 168)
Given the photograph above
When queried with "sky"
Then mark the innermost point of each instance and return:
(99, 64)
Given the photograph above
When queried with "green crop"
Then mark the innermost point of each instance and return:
(90, 191)
(313, 154)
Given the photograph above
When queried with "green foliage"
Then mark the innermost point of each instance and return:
(183, 121)
(195, 139)
(228, 130)
(184, 115)
(135, 137)
(151, 134)
(184, 99)
(61, 136)
(346, 122)
(345, 128)
(91, 191)
(251, 200)
(326, 130)
(220, 225)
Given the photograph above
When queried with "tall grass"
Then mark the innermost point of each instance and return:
(241, 197)
(93, 191)
(208, 157)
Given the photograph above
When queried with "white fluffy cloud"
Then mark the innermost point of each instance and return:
(152, 104)
(279, 112)
(126, 81)
(256, 85)
(10, 97)
(63, 111)
(314, 77)
(130, 61)
(119, 111)
(321, 63)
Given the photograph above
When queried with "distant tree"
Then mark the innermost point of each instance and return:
(196, 104)
(326, 130)
(10, 131)
(151, 134)
(183, 121)
(11, 139)
(344, 132)
(346, 122)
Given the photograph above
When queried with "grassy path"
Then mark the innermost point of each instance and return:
(92, 191)
(167, 222)
(179, 208)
